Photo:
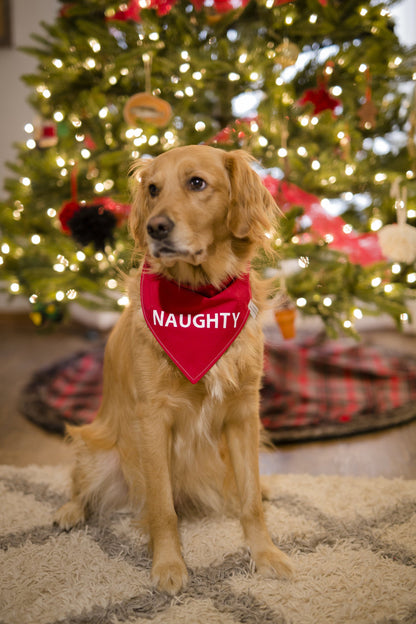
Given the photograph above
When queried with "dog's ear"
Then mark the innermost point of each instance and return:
(139, 206)
(252, 210)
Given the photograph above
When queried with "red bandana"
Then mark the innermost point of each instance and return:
(194, 328)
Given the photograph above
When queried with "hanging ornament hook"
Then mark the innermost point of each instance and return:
(147, 62)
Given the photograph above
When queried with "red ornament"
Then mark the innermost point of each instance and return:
(239, 130)
(320, 98)
(131, 11)
(69, 208)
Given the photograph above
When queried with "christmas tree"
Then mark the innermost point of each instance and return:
(319, 91)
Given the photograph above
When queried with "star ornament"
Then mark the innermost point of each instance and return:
(321, 99)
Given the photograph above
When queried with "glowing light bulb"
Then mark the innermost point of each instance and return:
(89, 63)
(376, 224)
(301, 302)
(95, 45)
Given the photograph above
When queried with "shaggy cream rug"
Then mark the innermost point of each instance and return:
(353, 542)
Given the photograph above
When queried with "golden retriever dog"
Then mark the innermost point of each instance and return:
(162, 443)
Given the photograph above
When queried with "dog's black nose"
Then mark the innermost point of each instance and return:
(160, 227)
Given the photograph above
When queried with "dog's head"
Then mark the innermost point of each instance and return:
(193, 203)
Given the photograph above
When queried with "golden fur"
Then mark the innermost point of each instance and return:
(162, 444)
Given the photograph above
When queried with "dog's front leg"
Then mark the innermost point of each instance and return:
(168, 569)
(242, 435)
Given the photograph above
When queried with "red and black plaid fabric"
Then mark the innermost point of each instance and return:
(316, 389)
(311, 390)
(66, 392)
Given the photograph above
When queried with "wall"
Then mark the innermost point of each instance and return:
(14, 111)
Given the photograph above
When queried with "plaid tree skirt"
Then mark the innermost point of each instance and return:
(311, 390)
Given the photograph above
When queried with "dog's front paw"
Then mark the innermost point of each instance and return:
(170, 576)
(69, 515)
(274, 563)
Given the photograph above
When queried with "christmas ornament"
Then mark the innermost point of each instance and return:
(194, 329)
(368, 111)
(43, 313)
(145, 106)
(45, 133)
(130, 11)
(367, 114)
(93, 224)
(93, 221)
(398, 240)
(286, 53)
(285, 318)
(320, 98)
(236, 132)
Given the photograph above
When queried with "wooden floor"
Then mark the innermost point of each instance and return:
(23, 350)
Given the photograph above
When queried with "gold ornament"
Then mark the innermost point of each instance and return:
(146, 107)
(286, 53)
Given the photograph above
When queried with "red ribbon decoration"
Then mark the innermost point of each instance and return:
(363, 249)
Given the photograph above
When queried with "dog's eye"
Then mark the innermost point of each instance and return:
(197, 184)
(153, 190)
